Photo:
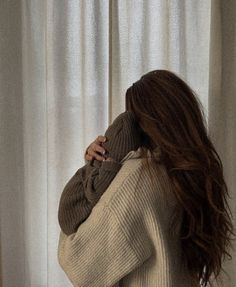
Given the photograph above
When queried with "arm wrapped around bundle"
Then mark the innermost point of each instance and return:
(82, 192)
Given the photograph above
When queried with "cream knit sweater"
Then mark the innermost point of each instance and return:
(127, 239)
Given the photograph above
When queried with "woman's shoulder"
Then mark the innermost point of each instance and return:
(138, 154)
(128, 169)
(133, 175)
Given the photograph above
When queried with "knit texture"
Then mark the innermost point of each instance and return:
(123, 135)
(127, 237)
(89, 182)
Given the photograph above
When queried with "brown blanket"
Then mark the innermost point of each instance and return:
(83, 191)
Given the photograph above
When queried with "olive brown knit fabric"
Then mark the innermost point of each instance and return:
(122, 136)
(89, 182)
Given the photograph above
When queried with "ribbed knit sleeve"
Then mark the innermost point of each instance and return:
(82, 192)
(99, 253)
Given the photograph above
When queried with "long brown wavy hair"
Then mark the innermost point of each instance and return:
(171, 116)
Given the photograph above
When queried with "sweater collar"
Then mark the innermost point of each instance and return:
(137, 153)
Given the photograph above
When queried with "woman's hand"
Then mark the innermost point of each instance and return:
(95, 150)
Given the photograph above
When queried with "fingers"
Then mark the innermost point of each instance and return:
(95, 148)
(100, 139)
(88, 157)
(92, 152)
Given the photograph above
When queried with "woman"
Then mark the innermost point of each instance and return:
(164, 220)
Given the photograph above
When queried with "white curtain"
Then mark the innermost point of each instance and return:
(64, 69)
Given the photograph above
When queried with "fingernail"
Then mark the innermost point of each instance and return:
(104, 152)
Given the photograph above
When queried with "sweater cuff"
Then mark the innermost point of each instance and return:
(111, 165)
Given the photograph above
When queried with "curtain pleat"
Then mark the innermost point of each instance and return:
(65, 67)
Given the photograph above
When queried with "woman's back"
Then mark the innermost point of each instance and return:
(152, 196)
(127, 239)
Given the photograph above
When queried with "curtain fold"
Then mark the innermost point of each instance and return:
(64, 70)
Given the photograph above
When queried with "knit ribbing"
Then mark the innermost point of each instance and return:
(86, 186)
(123, 135)
(82, 192)
(127, 235)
